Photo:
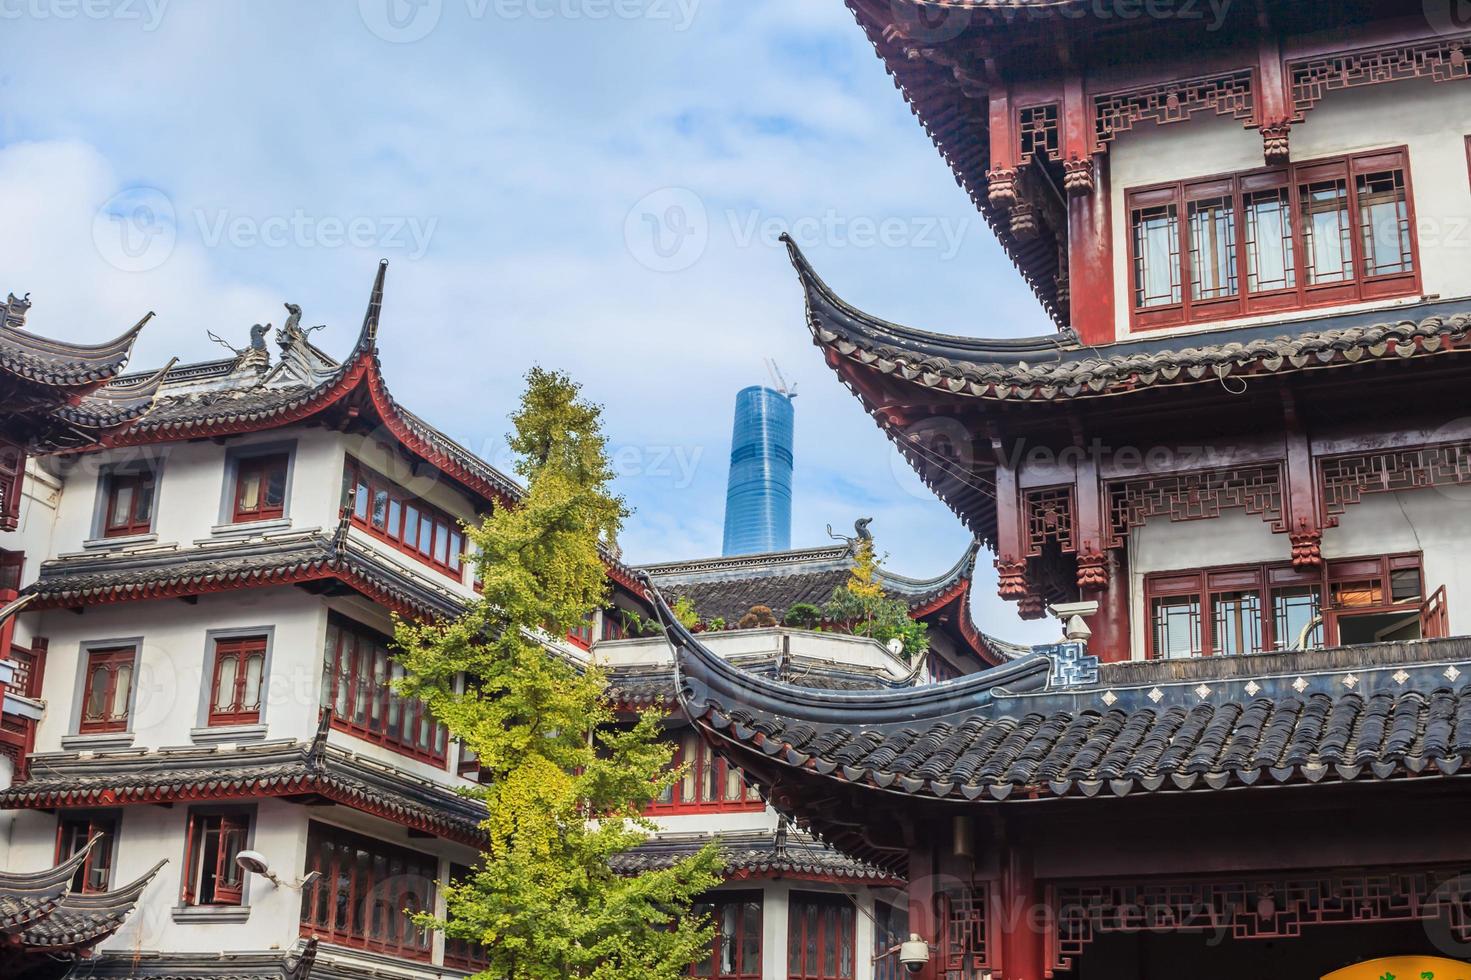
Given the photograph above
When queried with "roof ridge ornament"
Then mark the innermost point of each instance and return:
(368, 338)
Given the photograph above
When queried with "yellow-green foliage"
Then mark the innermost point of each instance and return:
(566, 786)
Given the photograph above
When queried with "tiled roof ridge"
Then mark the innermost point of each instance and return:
(1051, 368)
(756, 853)
(47, 361)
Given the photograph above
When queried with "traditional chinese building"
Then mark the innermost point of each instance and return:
(1244, 442)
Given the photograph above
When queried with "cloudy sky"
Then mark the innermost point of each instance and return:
(592, 185)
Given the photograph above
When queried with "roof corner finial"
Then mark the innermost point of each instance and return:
(15, 310)
(368, 340)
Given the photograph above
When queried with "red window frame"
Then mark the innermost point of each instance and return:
(1203, 584)
(131, 522)
(821, 937)
(212, 876)
(357, 675)
(262, 468)
(1300, 295)
(582, 634)
(12, 566)
(364, 887)
(110, 661)
(239, 705)
(705, 786)
(381, 508)
(737, 918)
(72, 834)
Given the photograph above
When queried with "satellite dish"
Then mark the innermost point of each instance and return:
(896, 646)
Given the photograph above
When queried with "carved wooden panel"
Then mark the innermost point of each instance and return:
(1194, 497)
(1346, 479)
(1226, 94)
(1048, 513)
(1442, 59)
(964, 953)
(1266, 907)
(1037, 133)
(12, 472)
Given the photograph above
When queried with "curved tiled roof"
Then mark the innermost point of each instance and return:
(284, 559)
(284, 768)
(755, 854)
(29, 896)
(987, 741)
(1052, 369)
(43, 361)
(84, 919)
(728, 586)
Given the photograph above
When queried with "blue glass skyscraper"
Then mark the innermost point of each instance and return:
(758, 497)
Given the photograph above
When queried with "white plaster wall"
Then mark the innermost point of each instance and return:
(1430, 521)
(172, 658)
(1431, 119)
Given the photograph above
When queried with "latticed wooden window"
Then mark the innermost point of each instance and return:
(708, 782)
(107, 689)
(357, 685)
(820, 937)
(239, 677)
(387, 512)
(367, 892)
(1296, 237)
(260, 487)
(735, 952)
(129, 504)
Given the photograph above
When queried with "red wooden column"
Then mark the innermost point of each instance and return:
(1090, 260)
(922, 905)
(1305, 526)
(1001, 177)
(1273, 104)
(1011, 562)
(1023, 937)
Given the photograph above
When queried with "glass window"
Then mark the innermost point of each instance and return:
(107, 690)
(239, 668)
(1177, 626)
(1384, 222)
(1293, 610)
(1269, 253)
(736, 949)
(1236, 621)
(360, 671)
(1327, 242)
(366, 892)
(1156, 256)
(214, 876)
(820, 931)
(1212, 249)
(260, 488)
(73, 833)
(129, 504)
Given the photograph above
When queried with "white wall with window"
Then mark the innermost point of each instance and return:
(1225, 585)
(1204, 234)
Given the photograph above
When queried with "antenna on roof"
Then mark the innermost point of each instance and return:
(777, 381)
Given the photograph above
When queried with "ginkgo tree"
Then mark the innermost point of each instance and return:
(565, 784)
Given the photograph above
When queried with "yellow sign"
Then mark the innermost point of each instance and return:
(1404, 968)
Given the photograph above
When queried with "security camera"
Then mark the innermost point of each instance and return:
(914, 953)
